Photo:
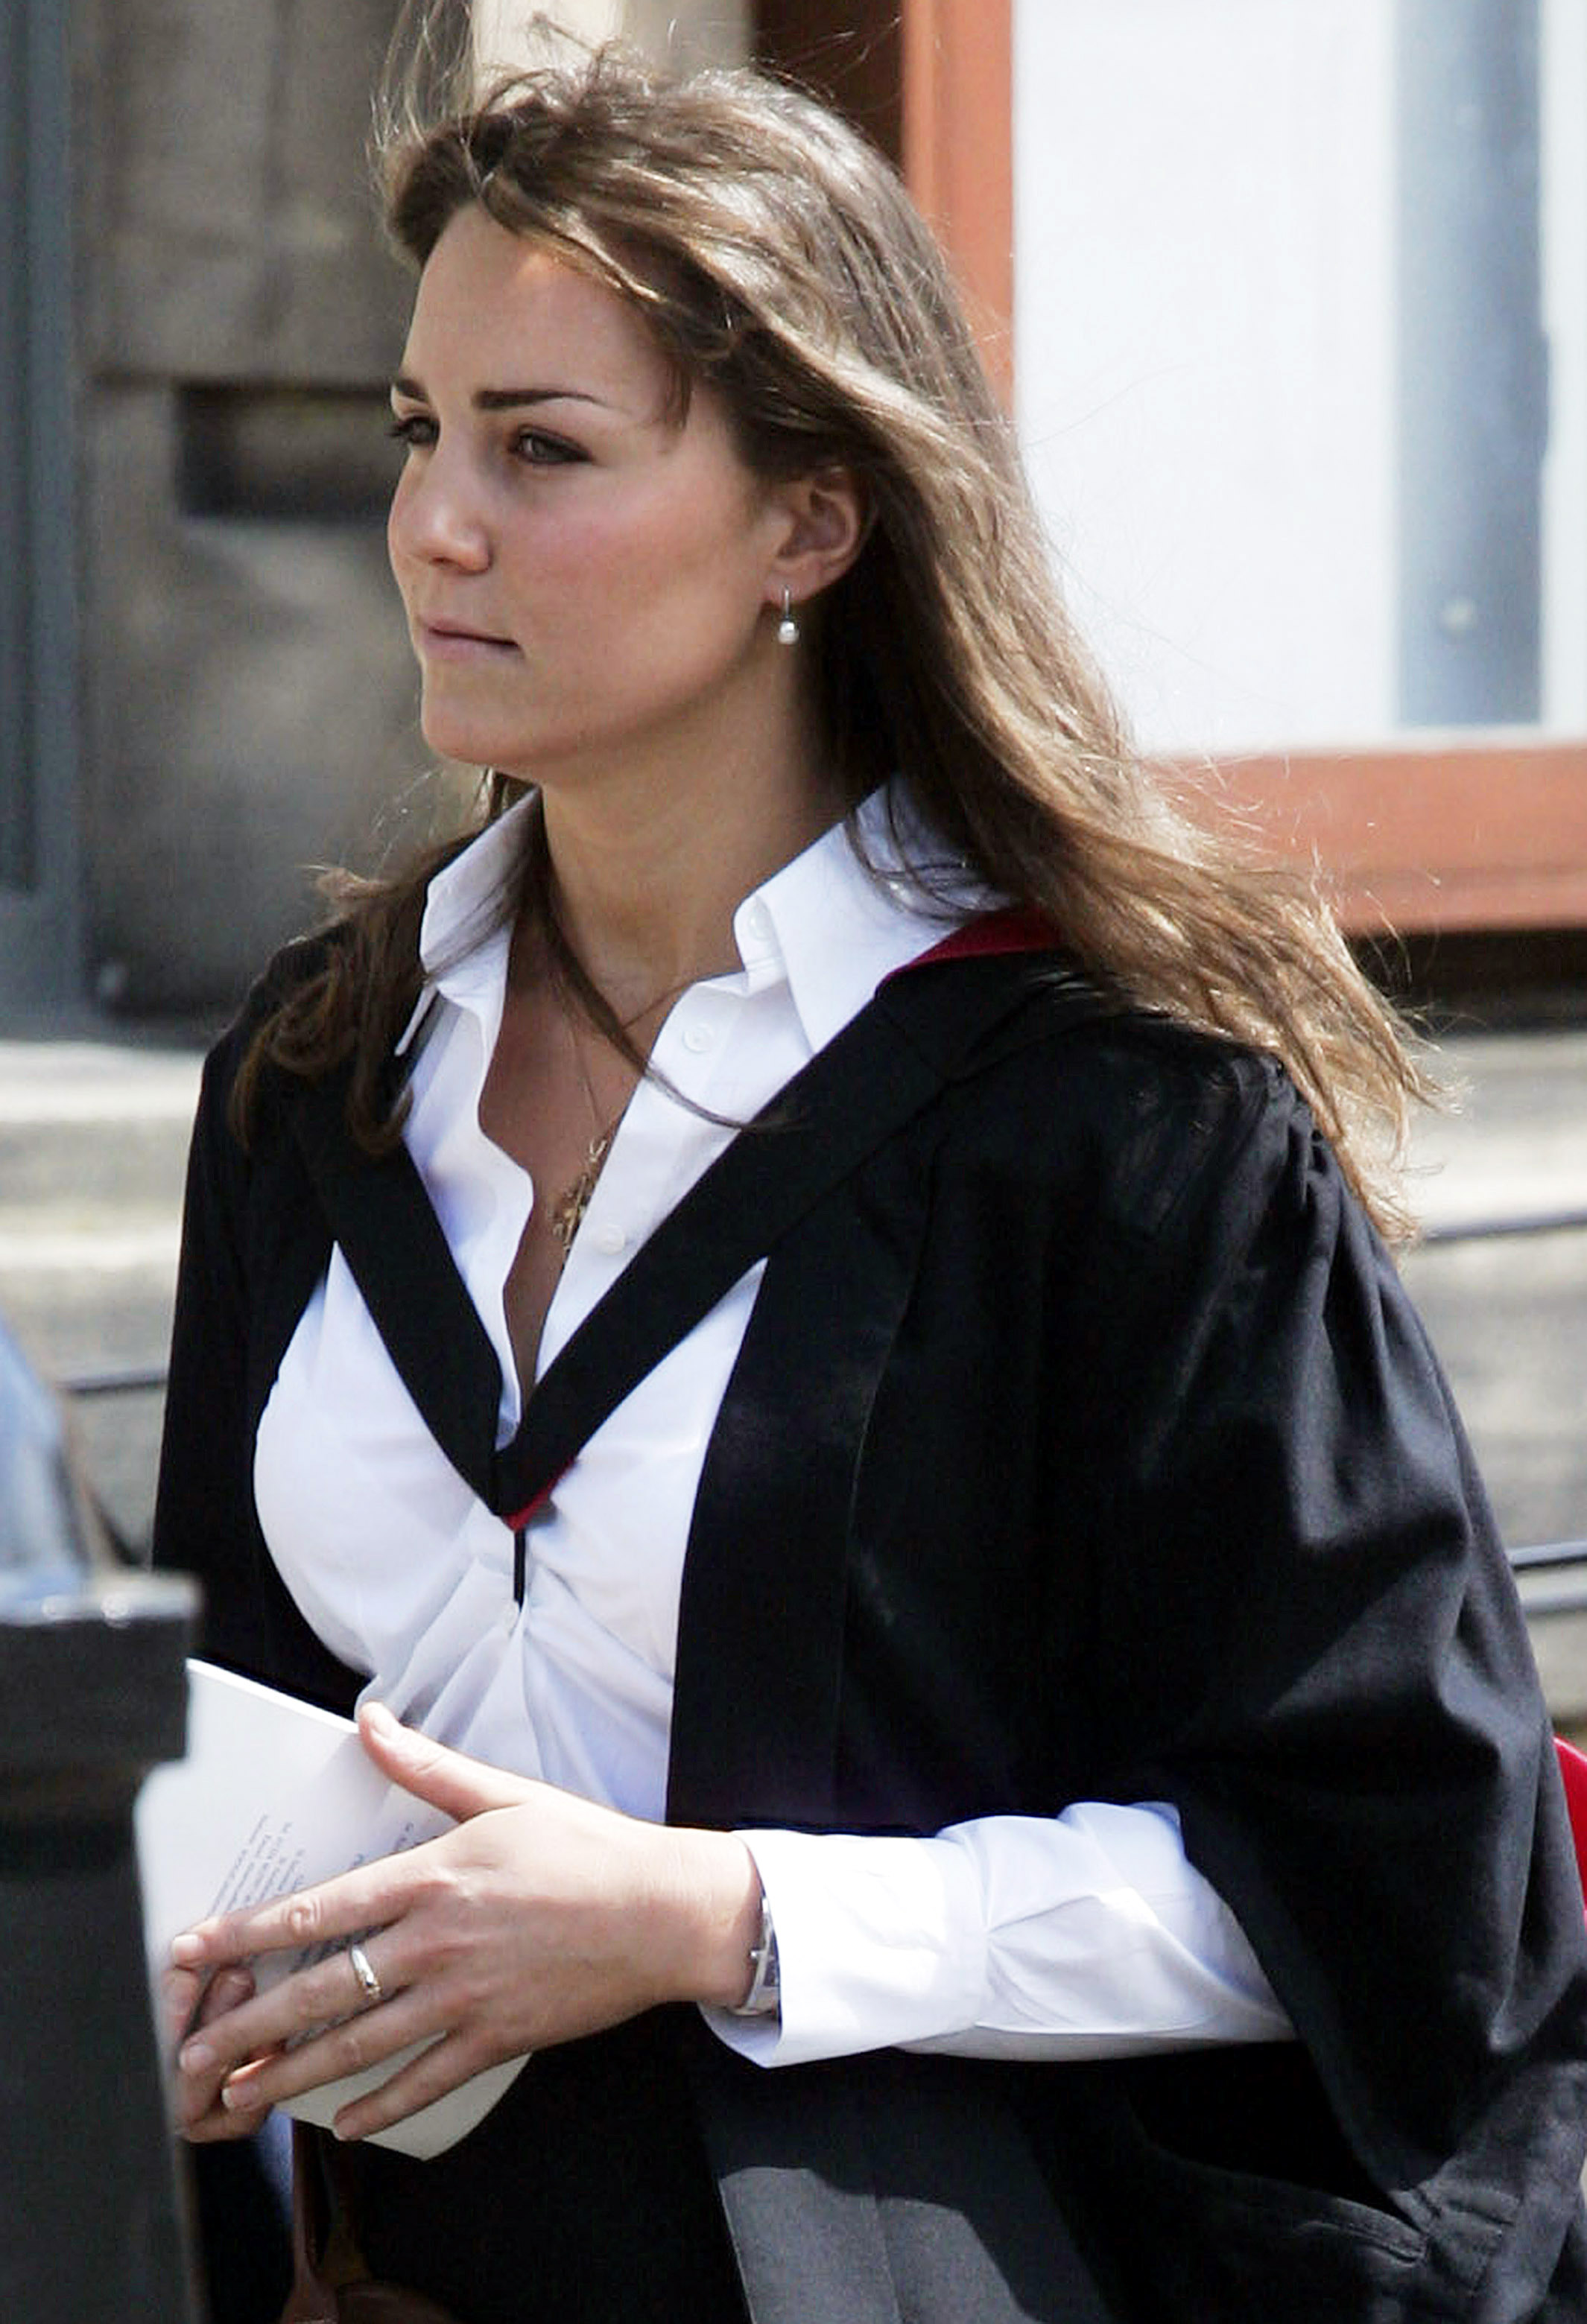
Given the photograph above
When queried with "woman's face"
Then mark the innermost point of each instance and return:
(586, 581)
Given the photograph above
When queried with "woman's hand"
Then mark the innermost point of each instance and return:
(539, 1917)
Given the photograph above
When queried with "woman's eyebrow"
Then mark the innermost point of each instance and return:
(504, 399)
(501, 399)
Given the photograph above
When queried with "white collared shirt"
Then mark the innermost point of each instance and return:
(1077, 1936)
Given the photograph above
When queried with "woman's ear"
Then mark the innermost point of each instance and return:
(828, 515)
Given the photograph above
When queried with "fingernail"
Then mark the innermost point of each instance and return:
(196, 2058)
(380, 1717)
(238, 2099)
(187, 1951)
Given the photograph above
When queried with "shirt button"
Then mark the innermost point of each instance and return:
(610, 1238)
(697, 1038)
(757, 921)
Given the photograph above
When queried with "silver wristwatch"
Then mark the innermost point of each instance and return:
(765, 1994)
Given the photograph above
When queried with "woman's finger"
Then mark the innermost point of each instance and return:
(286, 2013)
(371, 2039)
(189, 1999)
(181, 1993)
(203, 2122)
(460, 1786)
(442, 2067)
(198, 2109)
(226, 1991)
(189, 2003)
(375, 1894)
(310, 1919)
(309, 2029)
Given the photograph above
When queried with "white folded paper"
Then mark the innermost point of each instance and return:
(275, 1795)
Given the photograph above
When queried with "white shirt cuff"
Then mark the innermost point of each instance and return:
(1088, 1934)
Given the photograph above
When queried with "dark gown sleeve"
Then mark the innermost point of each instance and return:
(1315, 1650)
(252, 1248)
(204, 1503)
(205, 1525)
(1160, 1496)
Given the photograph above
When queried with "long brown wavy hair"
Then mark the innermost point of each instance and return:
(776, 256)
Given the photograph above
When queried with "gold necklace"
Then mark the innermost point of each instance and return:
(567, 1213)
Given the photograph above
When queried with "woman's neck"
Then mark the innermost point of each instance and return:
(645, 887)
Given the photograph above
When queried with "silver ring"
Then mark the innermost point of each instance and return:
(369, 1985)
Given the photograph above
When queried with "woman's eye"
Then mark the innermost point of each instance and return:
(421, 431)
(543, 451)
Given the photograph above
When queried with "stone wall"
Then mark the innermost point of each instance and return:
(248, 691)
(249, 701)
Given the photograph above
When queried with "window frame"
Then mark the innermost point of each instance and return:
(1420, 834)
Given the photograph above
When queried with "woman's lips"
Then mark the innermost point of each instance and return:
(444, 641)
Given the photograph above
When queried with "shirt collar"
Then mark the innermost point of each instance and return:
(848, 911)
(463, 940)
(833, 923)
(463, 896)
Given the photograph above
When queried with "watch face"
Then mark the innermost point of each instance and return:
(765, 1990)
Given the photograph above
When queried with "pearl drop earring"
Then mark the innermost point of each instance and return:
(788, 628)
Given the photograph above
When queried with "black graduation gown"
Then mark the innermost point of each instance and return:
(1082, 1446)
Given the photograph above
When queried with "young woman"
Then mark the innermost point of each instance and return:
(887, 1482)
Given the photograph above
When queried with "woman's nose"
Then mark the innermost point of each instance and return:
(437, 518)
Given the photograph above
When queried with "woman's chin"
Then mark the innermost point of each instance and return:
(472, 742)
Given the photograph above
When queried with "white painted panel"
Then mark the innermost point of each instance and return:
(1204, 348)
(1565, 316)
